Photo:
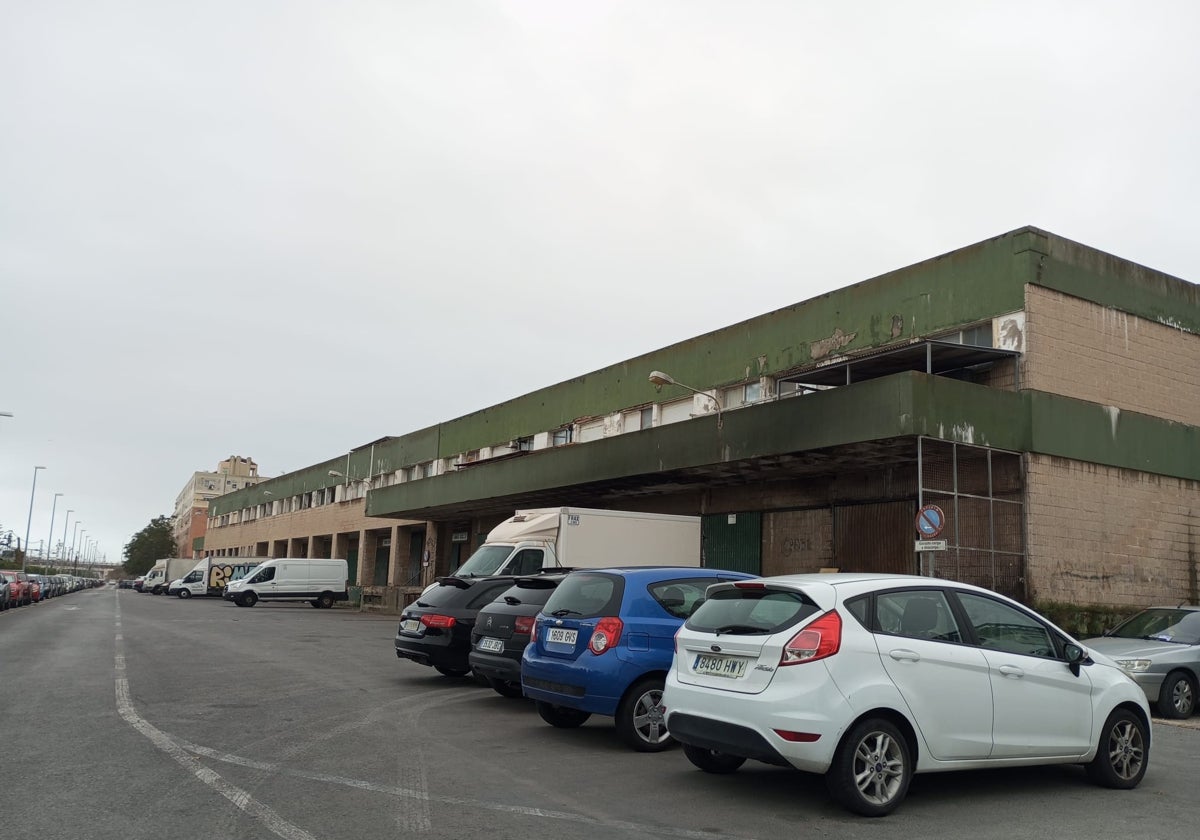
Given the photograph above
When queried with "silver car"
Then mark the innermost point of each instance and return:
(1160, 648)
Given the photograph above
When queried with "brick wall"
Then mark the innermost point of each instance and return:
(1107, 536)
(1086, 351)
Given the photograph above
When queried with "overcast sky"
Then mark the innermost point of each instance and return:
(283, 229)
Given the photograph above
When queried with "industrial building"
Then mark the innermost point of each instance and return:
(1043, 395)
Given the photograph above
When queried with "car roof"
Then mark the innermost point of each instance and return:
(666, 571)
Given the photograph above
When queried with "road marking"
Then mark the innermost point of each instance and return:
(276, 824)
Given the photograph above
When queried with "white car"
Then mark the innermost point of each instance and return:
(869, 679)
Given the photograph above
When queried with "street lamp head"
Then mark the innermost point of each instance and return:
(659, 379)
(337, 474)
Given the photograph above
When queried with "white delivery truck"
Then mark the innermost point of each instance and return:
(211, 575)
(320, 581)
(579, 538)
(164, 571)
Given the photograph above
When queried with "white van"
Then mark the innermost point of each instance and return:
(318, 581)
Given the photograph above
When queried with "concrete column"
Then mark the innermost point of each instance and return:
(367, 543)
(429, 558)
(394, 571)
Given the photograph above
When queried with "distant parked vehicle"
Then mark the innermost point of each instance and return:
(1160, 648)
(18, 587)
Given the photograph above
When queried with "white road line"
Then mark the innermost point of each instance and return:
(276, 824)
(457, 801)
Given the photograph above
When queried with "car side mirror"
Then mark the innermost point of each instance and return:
(1075, 656)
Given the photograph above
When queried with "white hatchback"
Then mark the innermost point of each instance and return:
(869, 679)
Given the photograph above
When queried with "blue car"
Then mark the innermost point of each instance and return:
(603, 645)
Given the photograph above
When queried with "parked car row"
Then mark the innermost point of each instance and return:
(865, 679)
(19, 589)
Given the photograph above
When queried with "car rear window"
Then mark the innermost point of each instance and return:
(443, 595)
(762, 611)
(680, 597)
(525, 592)
(586, 594)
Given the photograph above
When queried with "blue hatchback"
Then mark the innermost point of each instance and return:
(603, 645)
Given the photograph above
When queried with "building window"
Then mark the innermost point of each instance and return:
(427, 470)
(560, 437)
(524, 444)
(753, 392)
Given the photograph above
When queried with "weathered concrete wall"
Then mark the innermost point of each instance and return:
(1090, 352)
(1104, 535)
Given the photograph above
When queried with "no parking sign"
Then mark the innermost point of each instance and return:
(930, 521)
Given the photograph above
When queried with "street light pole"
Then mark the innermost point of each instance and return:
(29, 520)
(66, 522)
(75, 557)
(50, 541)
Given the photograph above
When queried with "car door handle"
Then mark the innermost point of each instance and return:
(902, 654)
(1011, 671)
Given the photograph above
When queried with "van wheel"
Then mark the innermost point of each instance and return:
(249, 599)
(871, 769)
(640, 720)
(711, 761)
(315, 602)
(184, 594)
(325, 600)
(561, 716)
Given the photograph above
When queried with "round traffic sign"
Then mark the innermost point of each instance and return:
(930, 521)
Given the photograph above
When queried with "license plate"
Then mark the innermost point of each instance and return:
(719, 666)
(411, 625)
(491, 645)
(561, 635)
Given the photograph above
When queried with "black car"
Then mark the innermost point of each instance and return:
(436, 629)
(502, 631)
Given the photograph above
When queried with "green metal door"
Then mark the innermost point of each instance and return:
(732, 541)
(352, 565)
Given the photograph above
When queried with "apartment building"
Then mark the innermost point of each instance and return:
(191, 505)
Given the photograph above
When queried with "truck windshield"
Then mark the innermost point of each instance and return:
(485, 561)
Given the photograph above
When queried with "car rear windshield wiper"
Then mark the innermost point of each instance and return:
(511, 601)
(565, 611)
(741, 628)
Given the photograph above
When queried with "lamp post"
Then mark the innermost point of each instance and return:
(66, 522)
(29, 520)
(659, 379)
(75, 557)
(50, 540)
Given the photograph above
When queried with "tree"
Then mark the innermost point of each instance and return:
(149, 545)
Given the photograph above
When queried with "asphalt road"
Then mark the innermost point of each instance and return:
(132, 716)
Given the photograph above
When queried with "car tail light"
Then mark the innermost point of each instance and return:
(798, 737)
(750, 584)
(441, 622)
(533, 631)
(523, 624)
(606, 635)
(818, 640)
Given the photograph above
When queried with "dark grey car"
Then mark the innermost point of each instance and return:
(1160, 648)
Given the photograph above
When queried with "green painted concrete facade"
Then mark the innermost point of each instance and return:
(965, 287)
(906, 404)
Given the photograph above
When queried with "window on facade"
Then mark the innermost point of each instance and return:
(560, 437)
(753, 391)
(427, 469)
(524, 444)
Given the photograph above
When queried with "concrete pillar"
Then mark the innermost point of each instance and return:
(367, 543)
(394, 570)
(429, 558)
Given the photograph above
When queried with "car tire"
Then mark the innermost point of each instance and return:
(562, 717)
(184, 594)
(446, 671)
(248, 599)
(640, 720)
(315, 603)
(1177, 697)
(325, 600)
(1123, 751)
(871, 769)
(711, 761)
(506, 688)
